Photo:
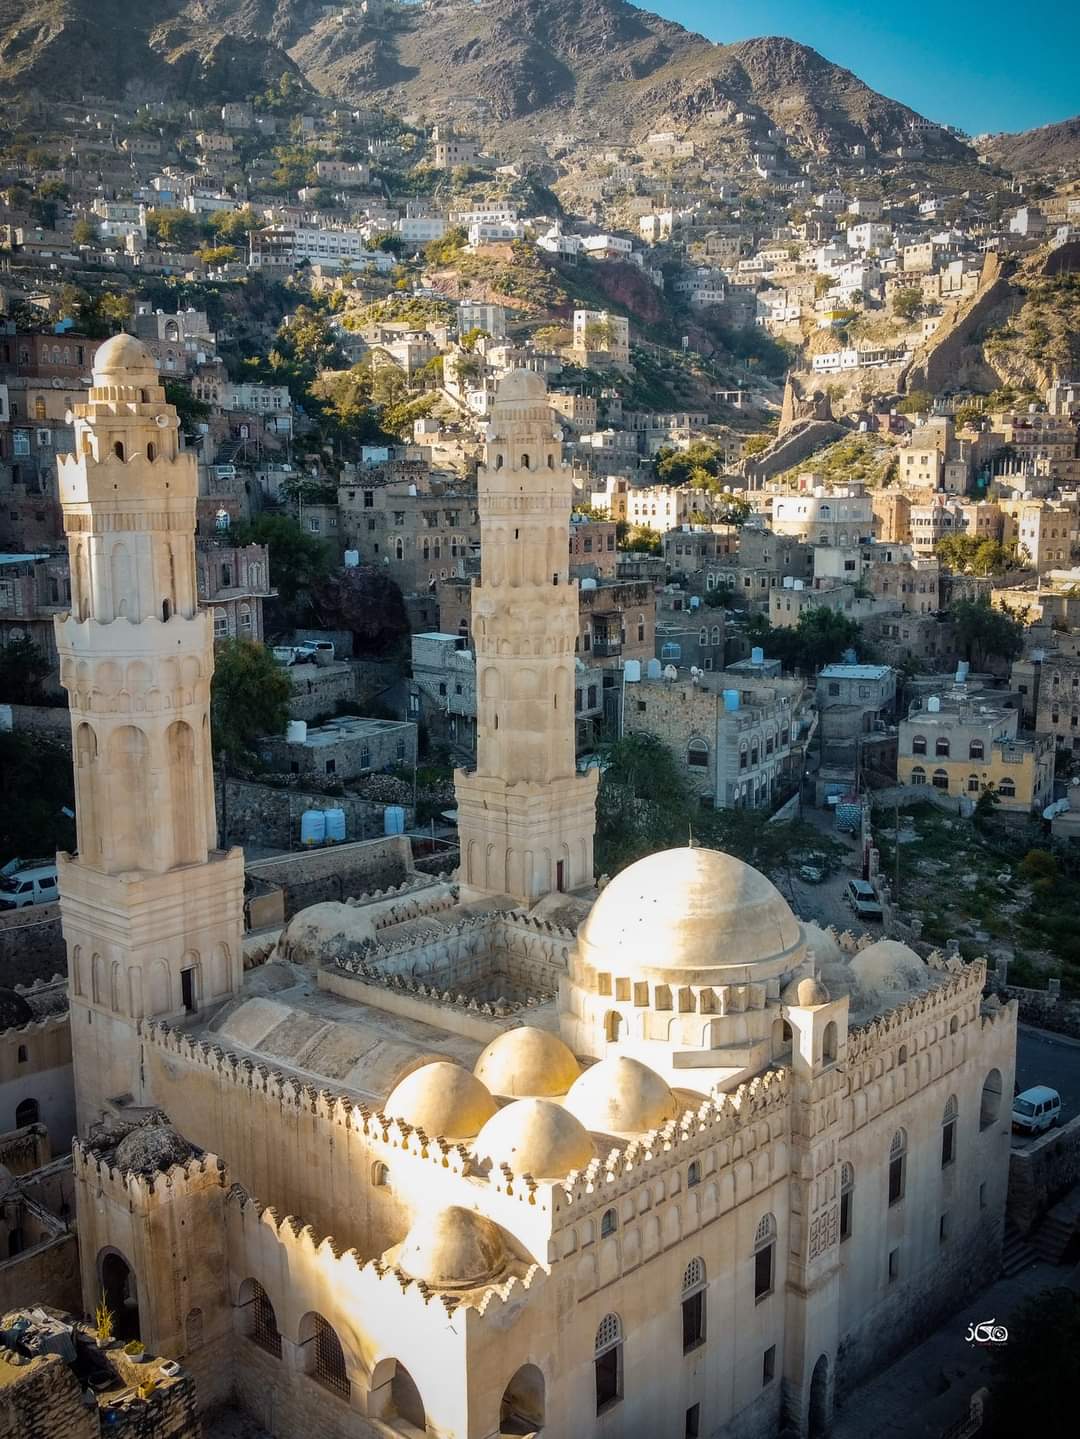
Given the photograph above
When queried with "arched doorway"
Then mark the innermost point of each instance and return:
(395, 1399)
(522, 1411)
(120, 1293)
(820, 1412)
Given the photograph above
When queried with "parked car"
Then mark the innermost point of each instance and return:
(863, 899)
(24, 884)
(284, 654)
(811, 873)
(1036, 1109)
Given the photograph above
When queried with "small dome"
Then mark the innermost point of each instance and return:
(520, 385)
(823, 942)
(811, 992)
(453, 1248)
(688, 909)
(442, 1099)
(621, 1095)
(14, 1010)
(888, 965)
(537, 1137)
(121, 356)
(152, 1149)
(527, 1061)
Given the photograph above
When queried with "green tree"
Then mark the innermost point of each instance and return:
(700, 462)
(169, 226)
(448, 249)
(756, 444)
(297, 560)
(23, 669)
(249, 698)
(36, 787)
(191, 411)
(1032, 1382)
(643, 803)
(984, 633)
(918, 402)
(84, 232)
(907, 303)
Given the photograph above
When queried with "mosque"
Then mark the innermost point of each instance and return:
(500, 1153)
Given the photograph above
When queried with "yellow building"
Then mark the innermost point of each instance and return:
(962, 746)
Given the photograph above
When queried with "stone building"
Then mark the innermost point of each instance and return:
(232, 583)
(961, 745)
(474, 1156)
(344, 749)
(419, 531)
(739, 745)
(592, 548)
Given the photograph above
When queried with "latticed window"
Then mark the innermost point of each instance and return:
(262, 1321)
(764, 1248)
(693, 1305)
(607, 1362)
(948, 1131)
(328, 1365)
(847, 1188)
(608, 1225)
(897, 1166)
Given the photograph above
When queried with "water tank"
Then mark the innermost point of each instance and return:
(962, 671)
(789, 582)
(653, 670)
(670, 672)
(588, 584)
(335, 825)
(393, 819)
(797, 585)
(933, 705)
(632, 671)
(312, 827)
(351, 559)
(731, 701)
(296, 732)
(695, 602)
(757, 655)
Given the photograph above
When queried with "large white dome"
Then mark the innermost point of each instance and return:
(688, 910)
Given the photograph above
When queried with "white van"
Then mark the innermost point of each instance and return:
(30, 884)
(1036, 1109)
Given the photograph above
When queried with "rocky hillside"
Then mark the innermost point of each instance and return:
(148, 48)
(1049, 150)
(603, 69)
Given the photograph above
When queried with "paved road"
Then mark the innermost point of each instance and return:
(1053, 1059)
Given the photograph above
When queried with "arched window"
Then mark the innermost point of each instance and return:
(607, 1362)
(975, 749)
(847, 1190)
(26, 1113)
(990, 1102)
(693, 1174)
(380, 1175)
(897, 1166)
(522, 1409)
(764, 1253)
(245, 619)
(941, 779)
(24, 1053)
(526, 462)
(973, 784)
(697, 753)
(918, 775)
(1007, 789)
(693, 1305)
(399, 548)
(260, 1321)
(948, 1131)
(118, 449)
(941, 747)
(918, 744)
(828, 1043)
(498, 462)
(151, 452)
(901, 1054)
(324, 1356)
(703, 635)
(608, 1223)
(954, 1024)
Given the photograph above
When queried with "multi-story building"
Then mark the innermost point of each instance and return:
(895, 571)
(600, 332)
(839, 515)
(1057, 705)
(1045, 532)
(345, 749)
(419, 532)
(962, 746)
(232, 583)
(737, 744)
(286, 246)
(616, 622)
(593, 549)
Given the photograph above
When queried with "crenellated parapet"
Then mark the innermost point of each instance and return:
(500, 1008)
(958, 992)
(131, 1189)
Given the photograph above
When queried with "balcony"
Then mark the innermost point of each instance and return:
(607, 648)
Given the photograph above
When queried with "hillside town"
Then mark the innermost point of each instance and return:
(759, 450)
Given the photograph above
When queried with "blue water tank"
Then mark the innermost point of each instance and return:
(757, 656)
(393, 819)
(312, 827)
(335, 825)
(731, 700)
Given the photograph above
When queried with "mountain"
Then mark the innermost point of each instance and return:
(1045, 151)
(602, 70)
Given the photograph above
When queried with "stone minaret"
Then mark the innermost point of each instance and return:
(152, 914)
(525, 816)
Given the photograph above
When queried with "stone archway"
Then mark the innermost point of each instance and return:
(819, 1415)
(119, 1290)
(521, 1413)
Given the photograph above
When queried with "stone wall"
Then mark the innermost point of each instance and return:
(1042, 1172)
(31, 944)
(337, 872)
(793, 447)
(953, 349)
(318, 688)
(51, 720)
(47, 1274)
(260, 815)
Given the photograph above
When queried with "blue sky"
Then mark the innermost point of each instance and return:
(993, 66)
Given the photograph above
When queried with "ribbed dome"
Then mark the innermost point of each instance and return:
(537, 1137)
(621, 1095)
(527, 1061)
(453, 1248)
(441, 1099)
(520, 385)
(687, 909)
(121, 356)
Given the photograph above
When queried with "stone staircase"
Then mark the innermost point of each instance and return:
(1016, 1252)
(1057, 1231)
